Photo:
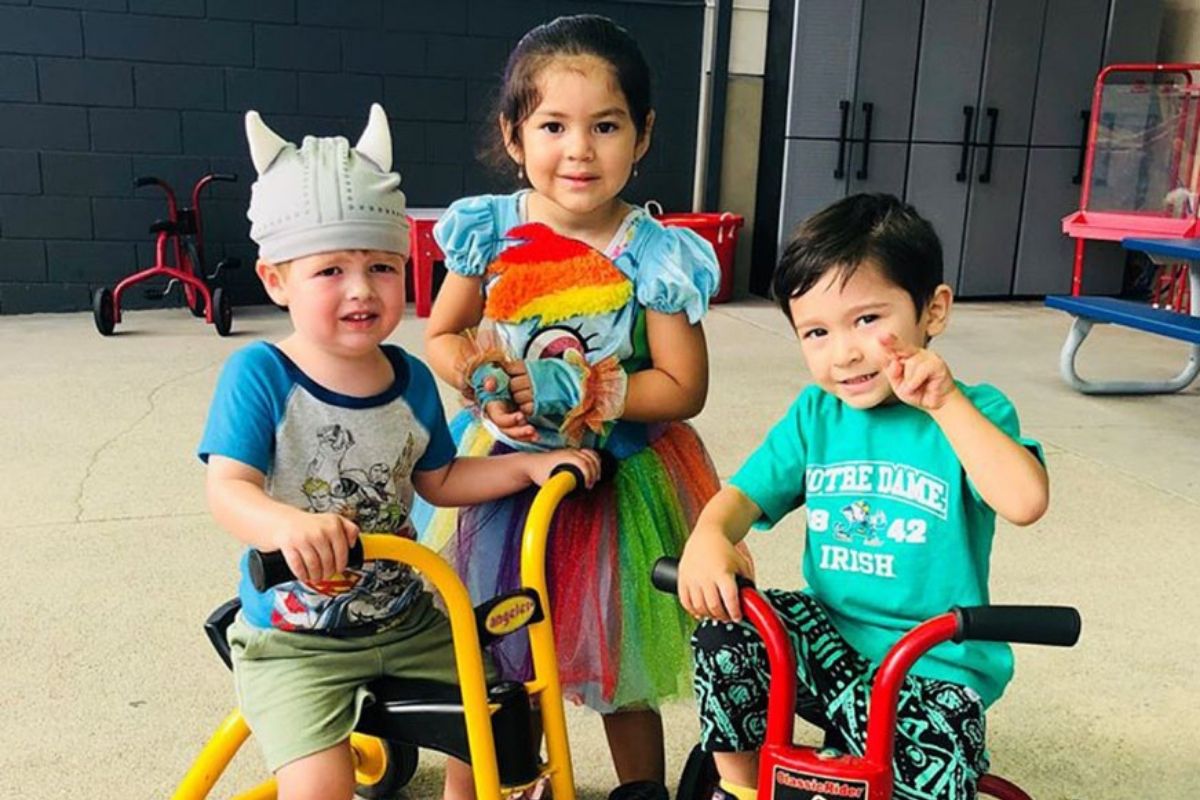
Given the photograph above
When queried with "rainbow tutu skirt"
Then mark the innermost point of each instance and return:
(621, 643)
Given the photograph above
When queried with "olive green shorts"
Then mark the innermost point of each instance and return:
(302, 693)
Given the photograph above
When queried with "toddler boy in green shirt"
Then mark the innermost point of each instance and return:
(902, 470)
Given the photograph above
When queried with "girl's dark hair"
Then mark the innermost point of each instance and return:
(579, 35)
(878, 228)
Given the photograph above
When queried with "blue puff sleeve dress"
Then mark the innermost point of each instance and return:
(621, 644)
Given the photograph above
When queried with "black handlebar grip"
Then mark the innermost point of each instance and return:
(665, 575)
(145, 180)
(574, 470)
(231, 177)
(608, 468)
(1053, 625)
(270, 569)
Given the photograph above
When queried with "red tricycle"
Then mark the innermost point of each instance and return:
(181, 231)
(787, 771)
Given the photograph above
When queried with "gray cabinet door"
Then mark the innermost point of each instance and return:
(1045, 255)
(824, 61)
(993, 214)
(887, 62)
(808, 181)
(936, 194)
(1071, 49)
(948, 67)
(1044, 252)
(1010, 72)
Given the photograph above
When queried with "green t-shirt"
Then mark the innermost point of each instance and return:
(896, 533)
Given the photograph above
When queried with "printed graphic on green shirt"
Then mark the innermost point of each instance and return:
(859, 530)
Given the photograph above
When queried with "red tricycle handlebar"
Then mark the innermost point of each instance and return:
(152, 180)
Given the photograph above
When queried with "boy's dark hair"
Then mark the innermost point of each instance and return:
(578, 35)
(878, 228)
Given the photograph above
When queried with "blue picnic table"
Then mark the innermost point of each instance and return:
(1089, 311)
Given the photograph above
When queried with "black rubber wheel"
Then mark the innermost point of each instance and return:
(222, 313)
(193, 298)
(401, 766)
(102, 311)
(196, 304)
(699, 777)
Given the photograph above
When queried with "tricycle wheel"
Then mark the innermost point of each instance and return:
(195, 300)
(699, 778)
(222, 312)
(102, 311)
(400, 765)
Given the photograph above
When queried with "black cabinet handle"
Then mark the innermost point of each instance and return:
(839, 171)
(968, 116)
(986, 175)
(1085, 117)
(869, 110)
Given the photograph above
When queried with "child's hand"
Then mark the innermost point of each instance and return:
(918, 376)
(511, 419)
(540, 465)
(707, 588)
(316, 546)
(520, 385)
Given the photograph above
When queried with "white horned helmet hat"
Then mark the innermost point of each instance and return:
(325, 195)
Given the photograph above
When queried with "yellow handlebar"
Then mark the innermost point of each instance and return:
(468, 656)
(541, 634)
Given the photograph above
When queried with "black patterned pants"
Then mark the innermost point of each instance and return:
(939, 753)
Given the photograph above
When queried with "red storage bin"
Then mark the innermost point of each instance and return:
(720, 229)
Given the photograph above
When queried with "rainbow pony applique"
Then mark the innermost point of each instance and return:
(554, 278)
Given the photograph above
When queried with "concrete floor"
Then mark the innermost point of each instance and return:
(111, 688)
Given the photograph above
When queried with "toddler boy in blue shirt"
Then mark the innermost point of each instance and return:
(327, 433)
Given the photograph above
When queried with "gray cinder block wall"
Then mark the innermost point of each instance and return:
(94, 93)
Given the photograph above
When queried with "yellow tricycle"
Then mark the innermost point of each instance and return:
(488, 726)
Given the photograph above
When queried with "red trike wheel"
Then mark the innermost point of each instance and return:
(102, 311)
(195, 301)
(222, 312)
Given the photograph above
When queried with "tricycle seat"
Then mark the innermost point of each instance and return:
(429, 714)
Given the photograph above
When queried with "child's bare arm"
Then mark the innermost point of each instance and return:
(458, 308)
(315, 546)
(468, 481)
(710, 561)
(1008, 477)
(676, 386)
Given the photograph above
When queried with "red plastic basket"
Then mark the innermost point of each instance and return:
(720, 229)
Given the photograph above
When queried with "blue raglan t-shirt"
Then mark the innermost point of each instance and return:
(895, 531)
(322, 451)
